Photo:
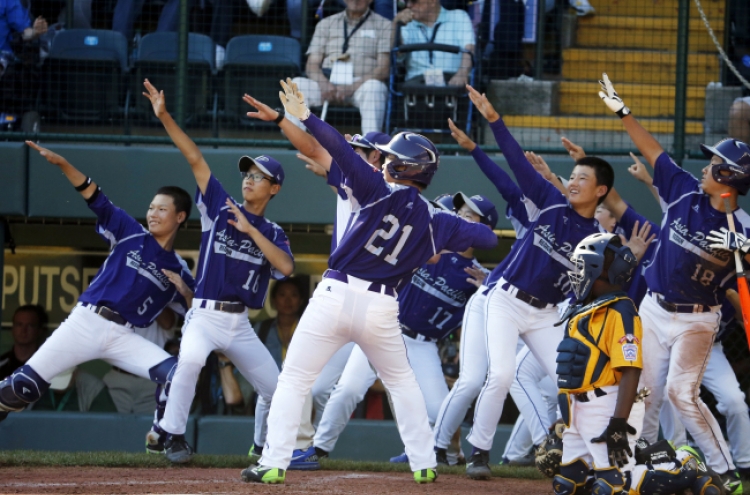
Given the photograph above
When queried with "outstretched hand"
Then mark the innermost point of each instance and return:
(240, 221)
(576, 152)
(477, 275)
(293, 100)
(640, 239)
(461, 138)
(264, 112)
(483, 104)
(178, 283)
(156, 97)
(539, 164)
(48, 155)
(638, 170)
(610, 97)
(313, 166)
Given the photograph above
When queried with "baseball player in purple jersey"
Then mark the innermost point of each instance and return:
(473, 351)
(130, 290)
(240, 251)
(430, 308)
(523, 302)
(687, 280)
(392, 231)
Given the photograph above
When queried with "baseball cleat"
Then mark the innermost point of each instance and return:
(478, 467)
(732, 482)
(155, 442)
(425, 476)
(322, 454)
(400, 459)
(441, 455)
(255, 454)
(177, 449)
(304, 460)
(260, 474)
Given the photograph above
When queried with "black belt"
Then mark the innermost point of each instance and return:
(107, 314)
(584, 396)
(226, 307)
(524, 296)
(417, 336)
(374, 287)
(680, 308)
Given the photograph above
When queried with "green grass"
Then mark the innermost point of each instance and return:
(33, 458)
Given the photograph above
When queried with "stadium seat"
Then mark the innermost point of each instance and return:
(254, 64)
(86, 75)
(156, 60)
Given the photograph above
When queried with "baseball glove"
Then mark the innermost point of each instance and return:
(549, 454)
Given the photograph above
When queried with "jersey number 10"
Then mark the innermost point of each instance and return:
(388, 234)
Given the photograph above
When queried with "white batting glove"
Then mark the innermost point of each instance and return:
(293, 100)
(729, 241)
(610, 98)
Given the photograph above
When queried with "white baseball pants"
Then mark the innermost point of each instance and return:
(676, 350)
(370, 98)
(507, 319)
(207, 330)
(327, 379)
(85, 336)
(339, 313)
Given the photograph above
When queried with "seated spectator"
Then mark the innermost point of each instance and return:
(348, 60)
(739, 119)
(15, 19)
(127, 11)
(222, 389)
(76, 390)
(133, 394)
(29, 328)
(425, 21)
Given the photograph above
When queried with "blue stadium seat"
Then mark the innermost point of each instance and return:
(86, 75)
(156, 60)
(254, 64)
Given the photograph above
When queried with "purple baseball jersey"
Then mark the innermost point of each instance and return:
(131, 280)
(392, 229)
(684, 269)
(637, 287)
(231, 267)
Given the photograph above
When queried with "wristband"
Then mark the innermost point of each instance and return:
(86, 183)
(279, 118)
(623, 112)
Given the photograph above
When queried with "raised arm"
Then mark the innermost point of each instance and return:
(638, 170)
(78, 179)
(644, 141)
(186, 145)
(304, 142)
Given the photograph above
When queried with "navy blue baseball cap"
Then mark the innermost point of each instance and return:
(478, 204)
(370, 139)
(266, 164)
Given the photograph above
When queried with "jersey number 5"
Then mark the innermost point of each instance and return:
(388, 234)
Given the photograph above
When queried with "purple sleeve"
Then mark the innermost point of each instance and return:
(279, 238)
(336, 179)
(533, 185)
(672, 181)
(367, 183)
(112, 223)
(213, 200)
(456, 234)
(501, 180)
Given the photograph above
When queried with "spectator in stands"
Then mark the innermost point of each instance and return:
(29, 328)
(133, 394)
(222, 389)
(425, 21)
(75, 390)
(14, 18)
(127, 11)
(386, 8)
(739, 119)
(348, 60)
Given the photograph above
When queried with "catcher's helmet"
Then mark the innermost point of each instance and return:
(588, 258)
(735, 157)
(445, 202)
(413, 157)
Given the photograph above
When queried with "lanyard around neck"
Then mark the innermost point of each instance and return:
(431, 39)
(348, 36)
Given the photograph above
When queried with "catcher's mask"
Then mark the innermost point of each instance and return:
(589, 259)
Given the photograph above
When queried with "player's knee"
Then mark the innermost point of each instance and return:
(681, 394)
(572, 478)
(608, 481)
(733, 404)
(164, 371)
(23, 387)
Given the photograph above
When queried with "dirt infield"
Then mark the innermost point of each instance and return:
(89, 480)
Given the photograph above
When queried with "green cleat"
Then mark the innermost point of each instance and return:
(260, 474)
(255, 454)
(425, 476)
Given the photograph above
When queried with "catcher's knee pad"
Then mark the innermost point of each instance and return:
(707, 483)
(164, 371)
(23, 387)
(609, 481)
(663, 480)
(572, 478)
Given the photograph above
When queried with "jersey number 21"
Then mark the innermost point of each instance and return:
(384, 234)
